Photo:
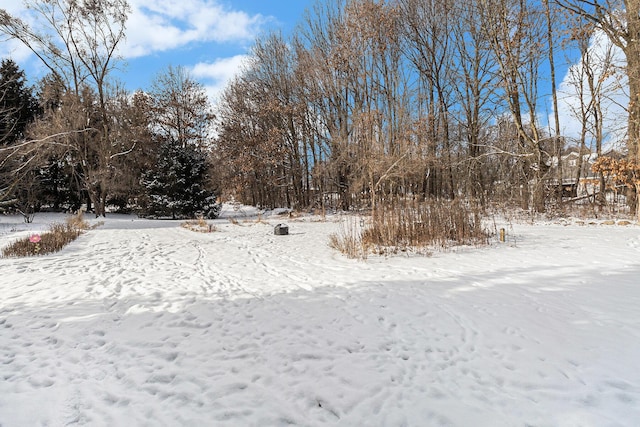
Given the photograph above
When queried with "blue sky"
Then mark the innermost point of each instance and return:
(208, 37)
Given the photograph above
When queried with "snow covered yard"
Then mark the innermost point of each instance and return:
(142, 322)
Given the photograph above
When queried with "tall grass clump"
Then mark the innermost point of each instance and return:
(57, 237)
(422, 227)
(78, 222)
(200, 225)
(348, 240)
(434, 224)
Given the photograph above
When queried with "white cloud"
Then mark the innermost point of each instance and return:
(216, 75)
(160, 25)
(15, 50)
(12, 6)
(223, 68)
(10, 48)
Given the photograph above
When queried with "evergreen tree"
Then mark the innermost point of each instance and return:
(17, 103)
(19, 183)
(59, 189)
(177, 186)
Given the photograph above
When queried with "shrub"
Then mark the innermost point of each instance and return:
(78, 222)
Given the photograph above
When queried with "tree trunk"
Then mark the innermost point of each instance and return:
(633, 132)
(637, 201)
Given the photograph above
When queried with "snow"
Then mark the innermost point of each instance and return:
(143, 322)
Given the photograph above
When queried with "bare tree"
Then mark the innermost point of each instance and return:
(515, 33)
(178, 182)
(329, 93)
(579, 81)
(259, 120)
(594, 79)
(620, 21)
(552, 20)
(476, 75)
(429, 32)
(181, 111)
(131, 116)
(275, 70)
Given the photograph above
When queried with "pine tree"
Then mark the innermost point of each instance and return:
(17, 103)
(177, 185)
(19, 185)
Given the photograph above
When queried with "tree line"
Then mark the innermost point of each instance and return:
(80, 138)
(373, 100)
(367, 101)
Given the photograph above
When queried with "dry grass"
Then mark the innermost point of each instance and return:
(437, 224)
(199, 225)
(412, 227)
(349, 240)
(258, 220)
(54, 240)
(58, 236)
(78, 222)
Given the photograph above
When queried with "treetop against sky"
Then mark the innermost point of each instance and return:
(212, 38)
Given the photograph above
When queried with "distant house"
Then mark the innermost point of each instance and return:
(576, 184)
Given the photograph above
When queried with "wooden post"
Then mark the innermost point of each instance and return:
(502, 235)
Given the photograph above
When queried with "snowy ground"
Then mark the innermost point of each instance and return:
(142, 323)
